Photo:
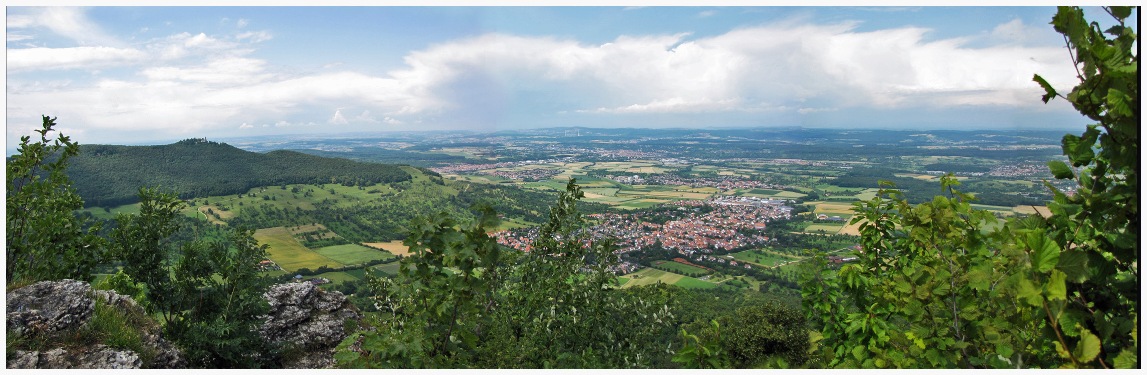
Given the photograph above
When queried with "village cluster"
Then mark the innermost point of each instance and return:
(696, 228)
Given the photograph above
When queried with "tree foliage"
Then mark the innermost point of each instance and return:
(45, 238)
(209, 293)
(940, 284)
(1094, 309)
(460, 300)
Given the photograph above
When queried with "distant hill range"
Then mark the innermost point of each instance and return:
(107, 175)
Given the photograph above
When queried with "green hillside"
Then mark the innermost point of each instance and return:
(106, 175)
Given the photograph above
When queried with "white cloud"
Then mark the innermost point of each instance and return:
(72, 23)
(196, 82)
(241, 23)
(707, 13)
(1015, 32)
(673, 105)
(254, 36)
(227, 70)
(805, 111)
(338, 118)
(66, 58)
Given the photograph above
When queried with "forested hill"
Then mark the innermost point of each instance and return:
(107, 175)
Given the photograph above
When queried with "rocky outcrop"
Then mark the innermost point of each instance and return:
(48, 307)
(54, 312)
(307, 321)
(96, 357)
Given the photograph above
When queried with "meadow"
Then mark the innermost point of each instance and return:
(288, 253)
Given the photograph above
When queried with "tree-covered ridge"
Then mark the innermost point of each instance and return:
(107, 175)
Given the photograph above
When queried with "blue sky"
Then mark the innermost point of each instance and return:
(157, 74)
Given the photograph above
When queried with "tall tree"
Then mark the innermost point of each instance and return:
(45, 238)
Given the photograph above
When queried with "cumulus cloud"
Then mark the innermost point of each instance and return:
(189, 82)
(338, 118)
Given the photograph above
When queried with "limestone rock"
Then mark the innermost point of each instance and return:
(48, 307)
(308, 320)
(54, 310)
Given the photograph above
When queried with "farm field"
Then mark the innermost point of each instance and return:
(388, 268)
(650, 276)
(827, 228)
(288, 253)
(691, 283)
(394, 247)
(351, 254)
(763, 257)
(337, 277)
(681, 268)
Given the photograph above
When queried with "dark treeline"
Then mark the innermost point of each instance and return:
(106, 175)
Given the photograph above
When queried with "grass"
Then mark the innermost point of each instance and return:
(338, 277)
(691, 283)
(288, 253)
(650, 276)
(352, 254)
(827, 228)
(389, 268)
(763, 257)
(681, 268)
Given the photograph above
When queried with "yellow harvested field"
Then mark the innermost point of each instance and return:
(852, 229)
(394, 247)
(1030, 210)
(833, 208)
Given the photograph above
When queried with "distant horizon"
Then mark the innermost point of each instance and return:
(374, 133)
(146, 75)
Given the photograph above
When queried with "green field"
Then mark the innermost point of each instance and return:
(389, 268)
(288, 253)
(353, 254)
(650, 276)
(827, 228)
(681, 268)
(762, 257)
(338, 277)
(691, 283)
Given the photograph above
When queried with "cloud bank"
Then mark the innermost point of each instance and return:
(192, 82)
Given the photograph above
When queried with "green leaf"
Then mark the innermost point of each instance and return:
(1126, 359)
(1121, 12)
(1117, 103)
(858, 352)
(1063, 353)
(1029, 293)
(1056, 288)
(1060, 170)
(1073, 263)
(1048, 90)
(1045, 252)
(1087, 348)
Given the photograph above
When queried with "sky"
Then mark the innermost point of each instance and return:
(138, 75)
